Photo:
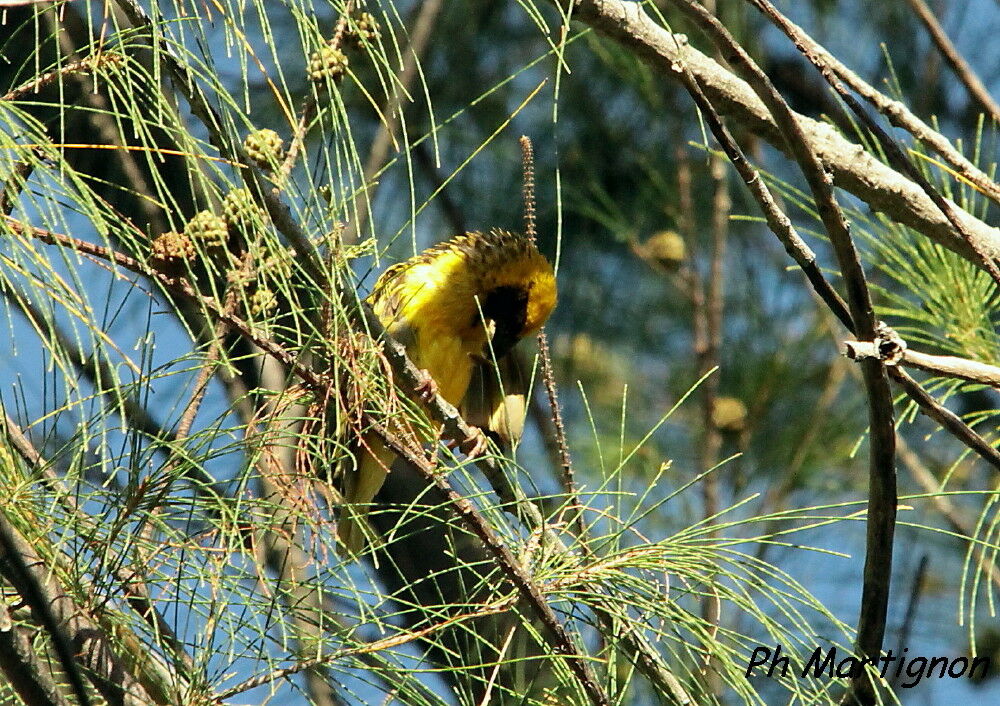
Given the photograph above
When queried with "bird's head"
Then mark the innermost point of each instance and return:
(518, 290)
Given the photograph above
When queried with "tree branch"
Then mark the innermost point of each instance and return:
(851, 167)
(407, 375)
(23, 666)
(60, 614)
(896, 156)
(882, 473)
(941, 365)
(900, 116)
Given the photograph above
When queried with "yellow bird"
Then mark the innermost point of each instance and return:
(457, 307)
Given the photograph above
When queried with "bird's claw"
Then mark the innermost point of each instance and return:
(427, 388)
(474, 445)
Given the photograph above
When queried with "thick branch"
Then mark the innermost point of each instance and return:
(24, 668)
(894, 153)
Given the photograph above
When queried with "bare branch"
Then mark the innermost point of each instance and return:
(942, 365)
(986, 260)
(900, 116)
(945, 417)
(851, 167)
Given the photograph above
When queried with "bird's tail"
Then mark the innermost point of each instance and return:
(360, 489)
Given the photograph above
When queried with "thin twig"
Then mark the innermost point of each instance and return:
(204, 378)
(955, 60)
(777, 220)
(542, 417)
(87, 65)
(911, 610)
(559, 431)
(241, 274)
(945, 417)
(548, 376)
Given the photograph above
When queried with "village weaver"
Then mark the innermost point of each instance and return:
(459, 308)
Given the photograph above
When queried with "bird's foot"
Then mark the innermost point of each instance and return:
(427, 388)
(474, 445)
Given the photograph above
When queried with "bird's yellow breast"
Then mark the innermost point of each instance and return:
(433, 302)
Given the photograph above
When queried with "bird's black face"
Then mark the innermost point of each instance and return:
(507, 308)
